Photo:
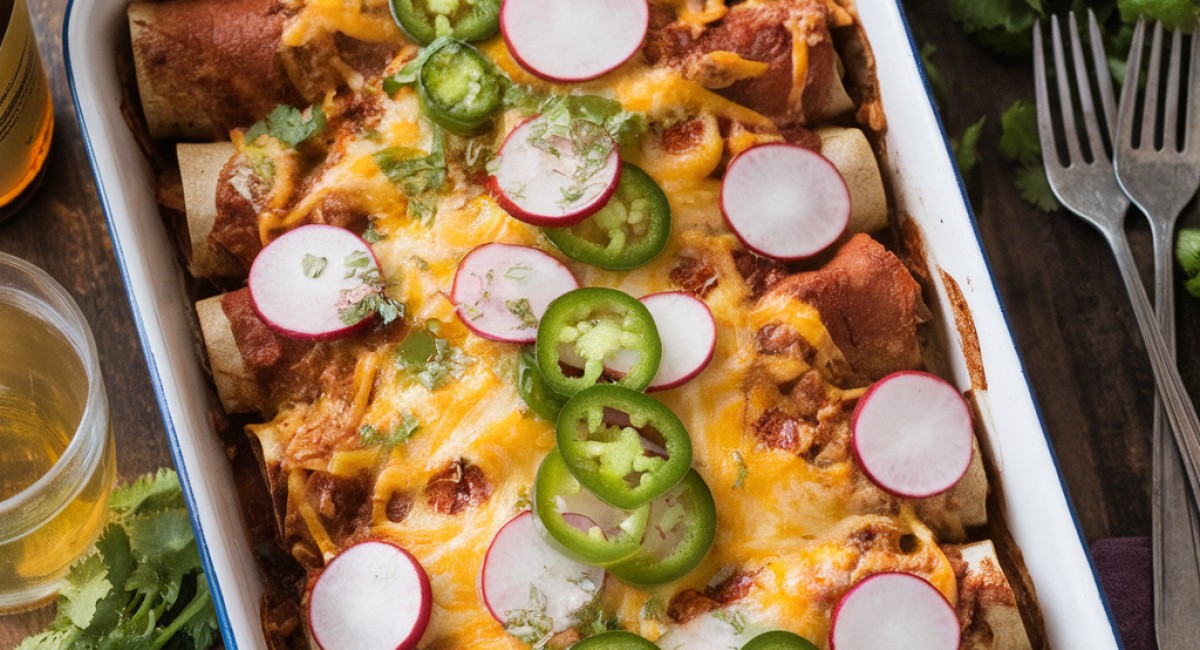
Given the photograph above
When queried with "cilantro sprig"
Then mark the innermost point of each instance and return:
(289, 125)
(141, 587)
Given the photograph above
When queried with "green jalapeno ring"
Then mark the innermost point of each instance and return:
(603, 433)
(615, 640)
(779, 640)
(628, 232)
(458, 87)
(680, 530)
(597, 323)
(617, 534)
(467, 20)
(532, 387)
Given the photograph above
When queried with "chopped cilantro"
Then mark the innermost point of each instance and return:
(431, 359)
(376, 303)
(372, 235)
(313, 265)
(532, 625)
(654, 609)
(141, 586)
(418, 175)
(288, 125)
(593, 619)
(400, 432)
(742, 470)
(734, 619)
(523, 310)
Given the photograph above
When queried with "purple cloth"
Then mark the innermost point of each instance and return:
(1126, 568)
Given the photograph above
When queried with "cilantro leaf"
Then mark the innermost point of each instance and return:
(1173, 13)
(966, 149)
(401, 432)
(125, 594)
(289, 125)
(152, 492)
(82, 589)
(1187, 251)
(1002, 26)
(431, 359)
(1019, 143)
(1035, 187)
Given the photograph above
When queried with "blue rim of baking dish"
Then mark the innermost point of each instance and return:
(172, 434)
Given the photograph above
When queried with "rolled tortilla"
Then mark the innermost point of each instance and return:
(207, 66)
(850, 152)
(236, 384)
(200, 167)
(987, 606)
(963, 506)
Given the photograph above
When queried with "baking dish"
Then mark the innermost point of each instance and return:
(925, 188)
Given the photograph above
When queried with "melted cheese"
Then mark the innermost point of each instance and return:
(783, 519)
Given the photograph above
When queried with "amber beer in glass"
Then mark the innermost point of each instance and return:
(26, 114)
(56, 448)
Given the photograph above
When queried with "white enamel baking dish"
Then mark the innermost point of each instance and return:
(926, 187)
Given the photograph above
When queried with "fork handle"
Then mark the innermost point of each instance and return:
(1179, 409)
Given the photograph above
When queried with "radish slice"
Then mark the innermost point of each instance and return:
(785, 201)
(502, 290)
(913, 435)
(303, 282)
(527, 583)
(573, 40)
(372, 596)
(542, 180)
(894, 611)
(689, 336)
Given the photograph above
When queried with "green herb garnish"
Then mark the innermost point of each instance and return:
(431, 359)
(288, 125)
(142, 585)
(401, 432)
(313, 265)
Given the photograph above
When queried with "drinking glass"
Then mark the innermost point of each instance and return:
(57, 463)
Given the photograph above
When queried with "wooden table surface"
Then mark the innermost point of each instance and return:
(1064, 297)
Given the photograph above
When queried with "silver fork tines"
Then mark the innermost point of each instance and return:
(1088, 187)
(1160, 176)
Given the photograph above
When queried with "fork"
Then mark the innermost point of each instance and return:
(1089, 189)
(1160, 181)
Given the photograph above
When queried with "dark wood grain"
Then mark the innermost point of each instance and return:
(1064, 298)
(62, 230)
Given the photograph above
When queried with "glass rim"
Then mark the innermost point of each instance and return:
(39, 502)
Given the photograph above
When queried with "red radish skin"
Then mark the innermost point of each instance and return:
(912, 434)
(689, 336)
(372, 596)
(501, 291)
(894, 611)
(299, 306)
(530, 182)
(573, 40)
(784, 201)
(520, 563)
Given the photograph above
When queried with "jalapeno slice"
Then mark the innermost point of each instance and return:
(615, 640)
(466, 20)
(595, 333)
(624, 446)
(582, 526)
(629, 231)
(532, 387)
(680, 530)
(458, 86)
(779, 640)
